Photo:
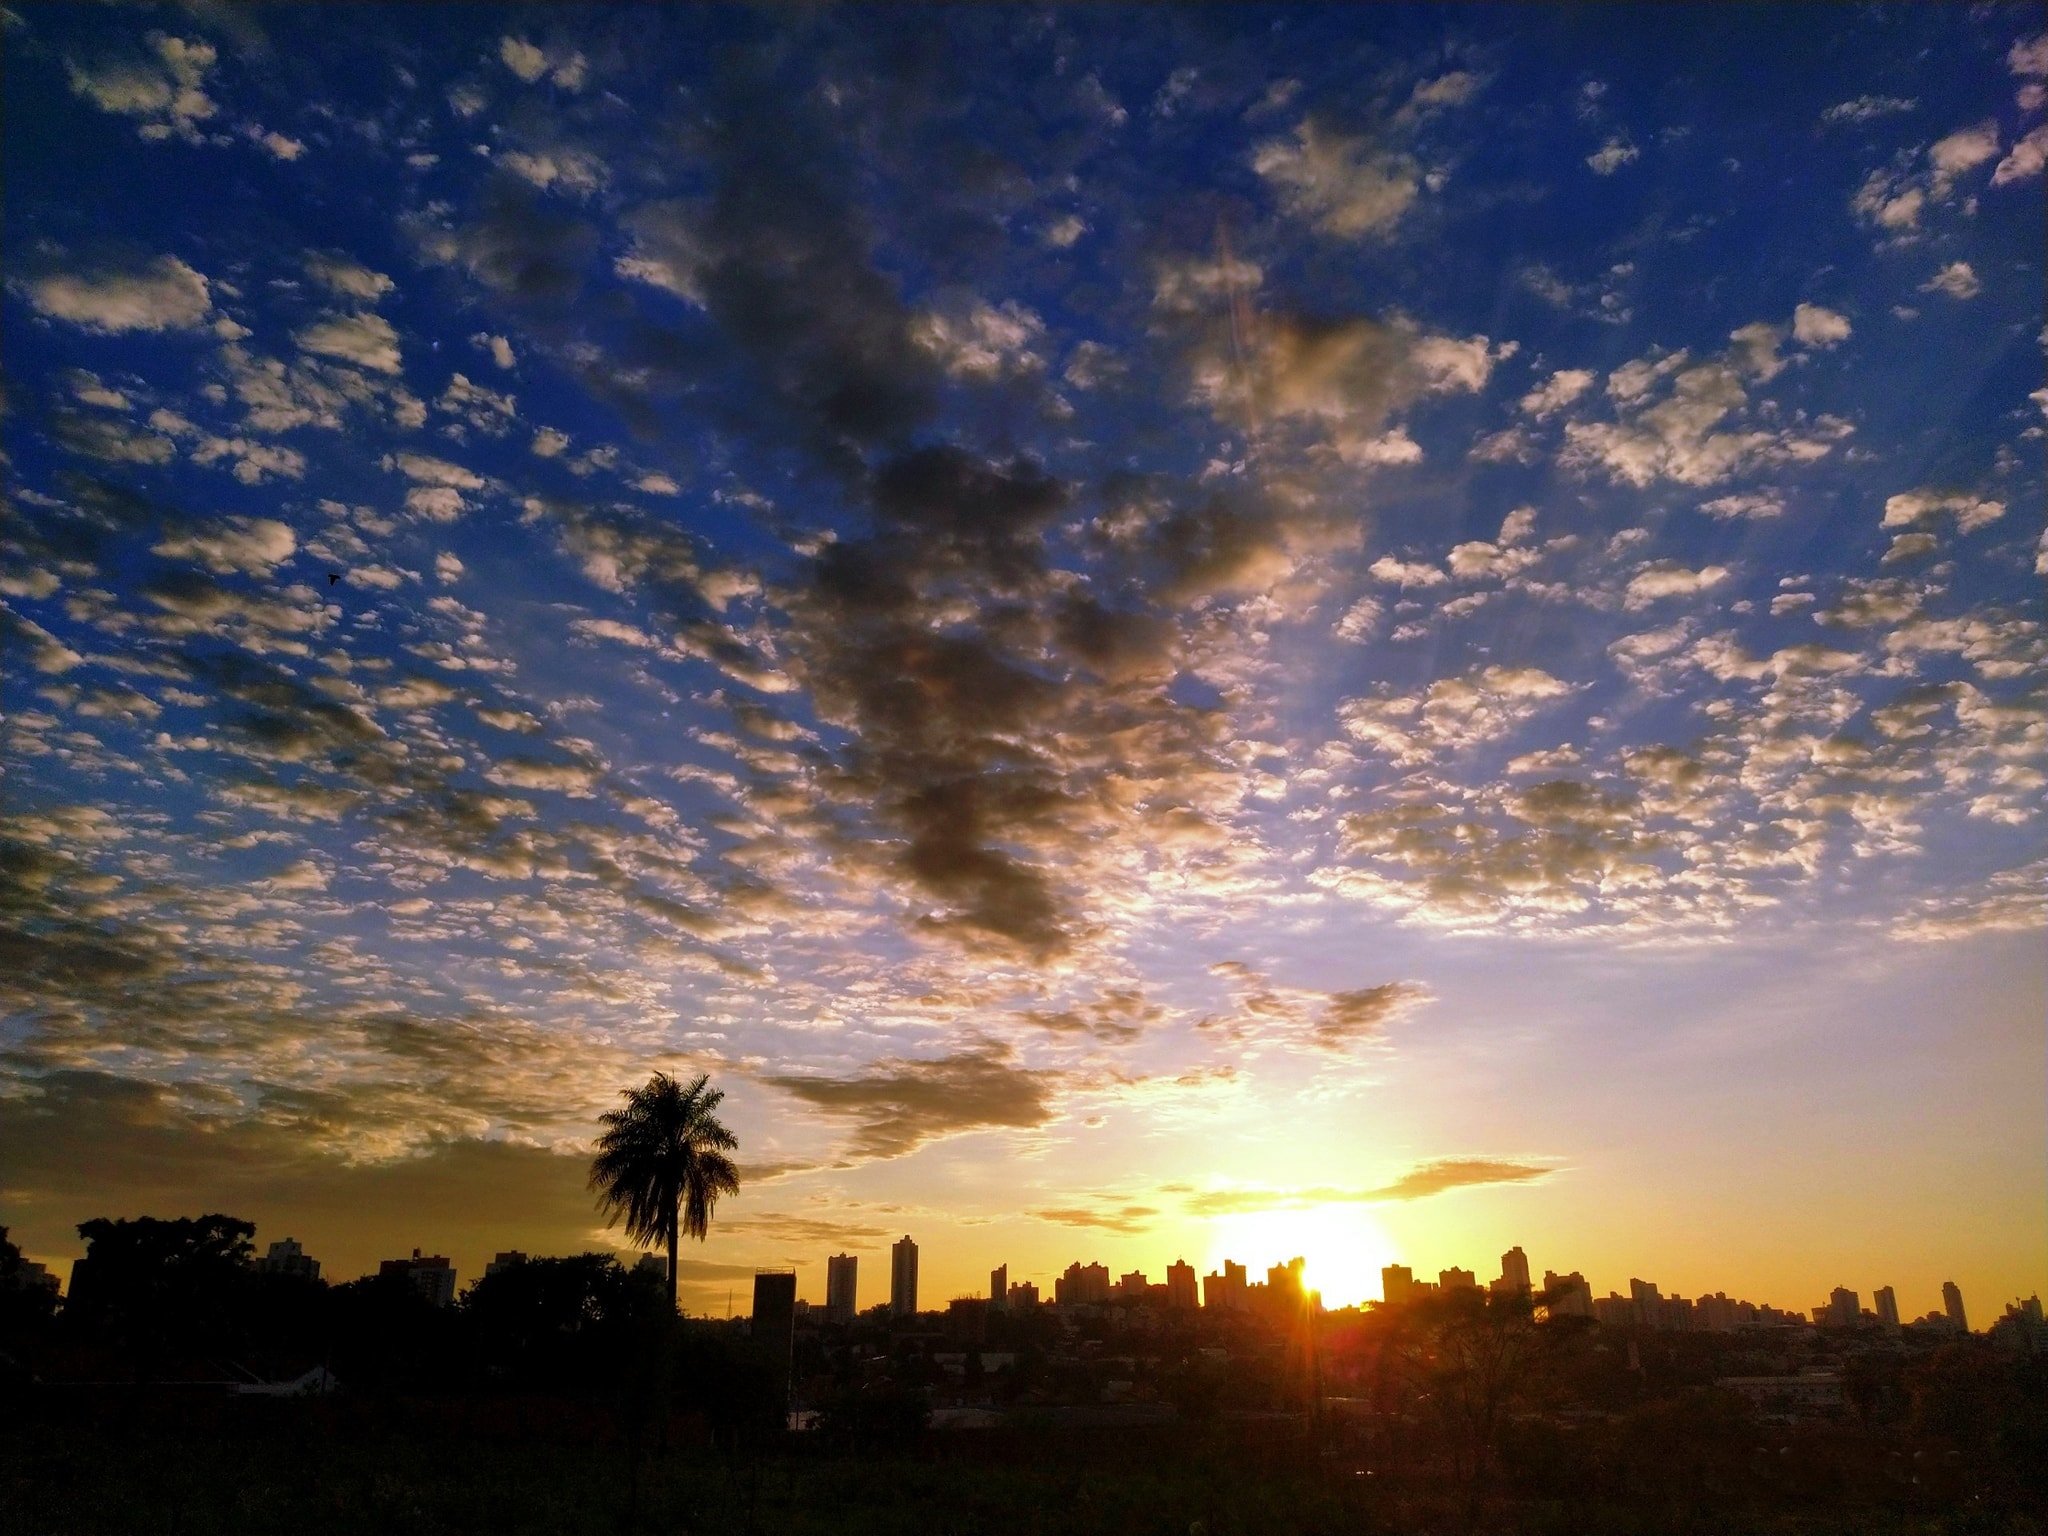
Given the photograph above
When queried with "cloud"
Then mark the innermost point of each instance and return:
(567, 70)
(1418, 1183)
(897, 1105)
(348, 278)
(569, 170)
(165, 295)
(1927, 503)
(1751, 505)
(1814, 326)
(1960, 152)
(985, 342)
(2026, 160)
(1453, 714)
(1612, 156)
(1342, 185)
(1666, 578)
(1957, 280)
(1557, 392)
(1864, 109)
(1115, 1218)
(1678, 420)
(365, 340)
(254, 546)
(166, 92)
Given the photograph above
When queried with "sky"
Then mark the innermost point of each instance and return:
(1373, 632)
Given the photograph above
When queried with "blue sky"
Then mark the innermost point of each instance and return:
(1384, 630)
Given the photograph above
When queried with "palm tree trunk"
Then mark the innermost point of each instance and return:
(672, 1262)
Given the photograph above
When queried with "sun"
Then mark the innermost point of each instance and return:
(1342, 1245)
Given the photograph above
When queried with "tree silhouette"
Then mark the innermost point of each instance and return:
(661, 1163)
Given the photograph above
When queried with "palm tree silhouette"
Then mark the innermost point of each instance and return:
(661, 1163)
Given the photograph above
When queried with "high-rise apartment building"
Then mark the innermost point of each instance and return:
(1514, 1273)
(433, 1277)
(842, 1281)
(1181, 1295)
(1570, 1295)
(1082, 1285)
(1841, 1310)
(1886, 1300)
(774, 1317)
(1649, 1303)
(286, 1257)
(1396, 1282)
(1023, 1295)
(903, 1278)
(1457, 1280)
(1952, 1306)
(999, 1288)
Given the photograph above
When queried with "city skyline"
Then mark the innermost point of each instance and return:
(1365, 633)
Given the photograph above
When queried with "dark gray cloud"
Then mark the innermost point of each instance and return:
(897, 1105)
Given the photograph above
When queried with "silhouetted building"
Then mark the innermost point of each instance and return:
(1457, 1280)
(1082, 1285)
(967, 1319)
(1181, 1295)
(1397, 1281)
(513, 1256)
(842, 1280)
(903, 1278)
(1514, 1273)
(1023, 1295)
(286, 1257)
(774, 1321)
(1227, 1291)
(1952, 1306)
(1615, 1311)
(999, 1287)
(1840, 1311)
(1720, 1314)
(1569, 1295)
(433, 1277)
(1649, 1303)
(654, 1266)
(1887, 1303)
(1134, 1286)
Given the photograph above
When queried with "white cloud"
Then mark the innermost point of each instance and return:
(1361, 621)
(1342, 186)
(1666, 578)
(277, 145)
(1814, 326)
(431, 471)
(522, 58)
(529, 63)
(499, 348)
(1958, 280)
(1064, 232)
(365, 340)
(2029, 56)
(1452, 714)
(1926, 504)
(1557, 391)
(166, 93)
(2027, 158)
(1961, 152)
(1407, 574)
(1888, 202)
(350, 279)
(1866, 108)
(987, 342)
(570, 170)
(254, 546)
(447, 568)
(1612, 156)
(164, 295)
(1756, 504)
(549, 443)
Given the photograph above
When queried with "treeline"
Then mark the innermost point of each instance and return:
(166, 1303)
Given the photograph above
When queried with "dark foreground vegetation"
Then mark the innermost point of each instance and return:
(564, 1395)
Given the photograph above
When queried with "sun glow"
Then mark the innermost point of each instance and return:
(1342, 1244)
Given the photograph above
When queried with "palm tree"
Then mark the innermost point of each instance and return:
(661, 1163)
